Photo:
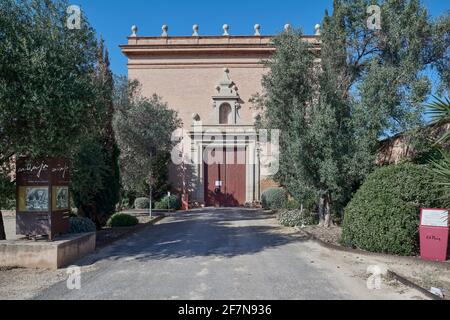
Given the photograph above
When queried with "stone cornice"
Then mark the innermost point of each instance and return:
(206, 45)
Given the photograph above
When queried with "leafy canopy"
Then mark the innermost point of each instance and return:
(144, 128)
(46, 91)
(367, 84)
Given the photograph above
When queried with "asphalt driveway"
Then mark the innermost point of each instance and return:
(216, 254)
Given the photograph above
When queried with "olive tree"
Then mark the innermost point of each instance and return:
(143, 128)
(46, 80)
(367, 84)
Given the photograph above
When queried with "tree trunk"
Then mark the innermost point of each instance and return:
(328, 221)
(119, 205)
(2, 228)
(321, 212)
(324, 211)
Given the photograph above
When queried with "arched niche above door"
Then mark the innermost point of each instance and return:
(226, 101)
(225, 113)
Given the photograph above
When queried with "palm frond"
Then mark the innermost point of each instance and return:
(444, 138)
(442, 169)
(439, 110)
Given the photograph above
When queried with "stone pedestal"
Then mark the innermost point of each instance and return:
(46, 255)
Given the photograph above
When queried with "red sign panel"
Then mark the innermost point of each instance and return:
(434, 234)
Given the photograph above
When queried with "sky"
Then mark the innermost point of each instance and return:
(113, 19)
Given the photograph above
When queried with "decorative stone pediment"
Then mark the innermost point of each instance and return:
(226, 87)
(226, 101)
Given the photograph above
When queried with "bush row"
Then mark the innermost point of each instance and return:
(122, 220)
(81, 225)
(85, 225)
(168, 202)
(141, 203)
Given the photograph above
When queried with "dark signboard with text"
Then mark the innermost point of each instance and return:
(43, 206)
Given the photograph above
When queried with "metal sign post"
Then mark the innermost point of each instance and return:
(168, 201)
(150, 200)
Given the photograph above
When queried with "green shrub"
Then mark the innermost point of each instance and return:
(95, 180)
(141, 203)
(383, 215)
(81, 225)
(291, 205)
(304, 196)
(122, 220)
(274, 198)
(294, 218)
(7, 192)
(10, 204)
(171, 202)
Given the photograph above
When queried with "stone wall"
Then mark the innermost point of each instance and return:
(398, 148)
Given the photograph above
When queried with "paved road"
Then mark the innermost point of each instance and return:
(211, 254)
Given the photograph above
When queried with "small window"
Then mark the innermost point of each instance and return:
(225, 114)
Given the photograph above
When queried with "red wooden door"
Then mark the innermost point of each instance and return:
(230, 176)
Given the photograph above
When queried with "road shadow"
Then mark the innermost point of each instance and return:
(210, 232)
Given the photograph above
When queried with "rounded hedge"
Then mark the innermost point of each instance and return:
(383, 215)
(81, 225)
(141, 203)
(274, 198)
(167, 202)
(122, 220)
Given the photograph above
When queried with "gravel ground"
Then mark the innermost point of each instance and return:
(19, 284)
(423, 273)
(330, 235)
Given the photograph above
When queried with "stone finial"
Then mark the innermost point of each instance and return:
(134, 31)
(226, 81)
(287, 27)
(195, 28)
(225, 29)
(165, 28)
(256, 116)
(257, 30)
(195, 117)
(317, 28)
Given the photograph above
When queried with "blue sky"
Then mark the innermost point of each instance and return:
(113, 19)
